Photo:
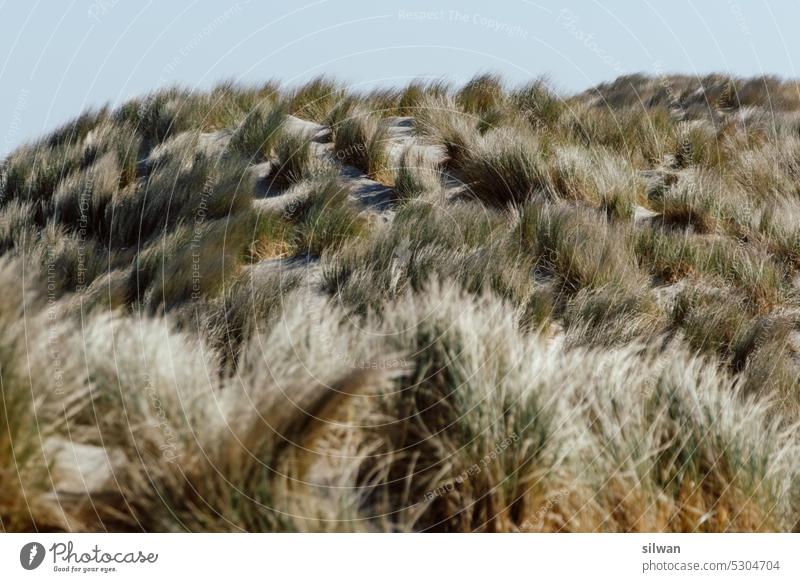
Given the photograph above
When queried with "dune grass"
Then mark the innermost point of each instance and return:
(416, 176)
(551, 313)
(360, 141)
(505, 168)
(324, 220)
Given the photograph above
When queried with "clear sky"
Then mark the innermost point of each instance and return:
(60, 57)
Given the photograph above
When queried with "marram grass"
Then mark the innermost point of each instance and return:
(431, 308)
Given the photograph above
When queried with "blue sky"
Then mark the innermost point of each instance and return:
(58, 58)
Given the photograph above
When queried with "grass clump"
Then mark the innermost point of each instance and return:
(360, 141)
(16, 226)
(316, 99)
(295, 160)
(505, 169)
(596, 177)
(246, 309)
(667, 255)
(691, 203)
(439, 119)
(271, 235)
(778, 226)
(428, 242)
(538, 104)
(325, 219)
(190, 264)
(414, 95)
(256, 136)
(611, 315)
(183, 189)
(416, 176)
(749, 268)
(34, 172)
(580, 249)
(712, 320)
(157, 117)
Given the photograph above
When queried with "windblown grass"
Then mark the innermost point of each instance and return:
(294, 160)
(316, 99)
(416, 176)
(325, 220)
(555, 313)
(505, 168)
(442, 121)
(256, 136)
(360, 140)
